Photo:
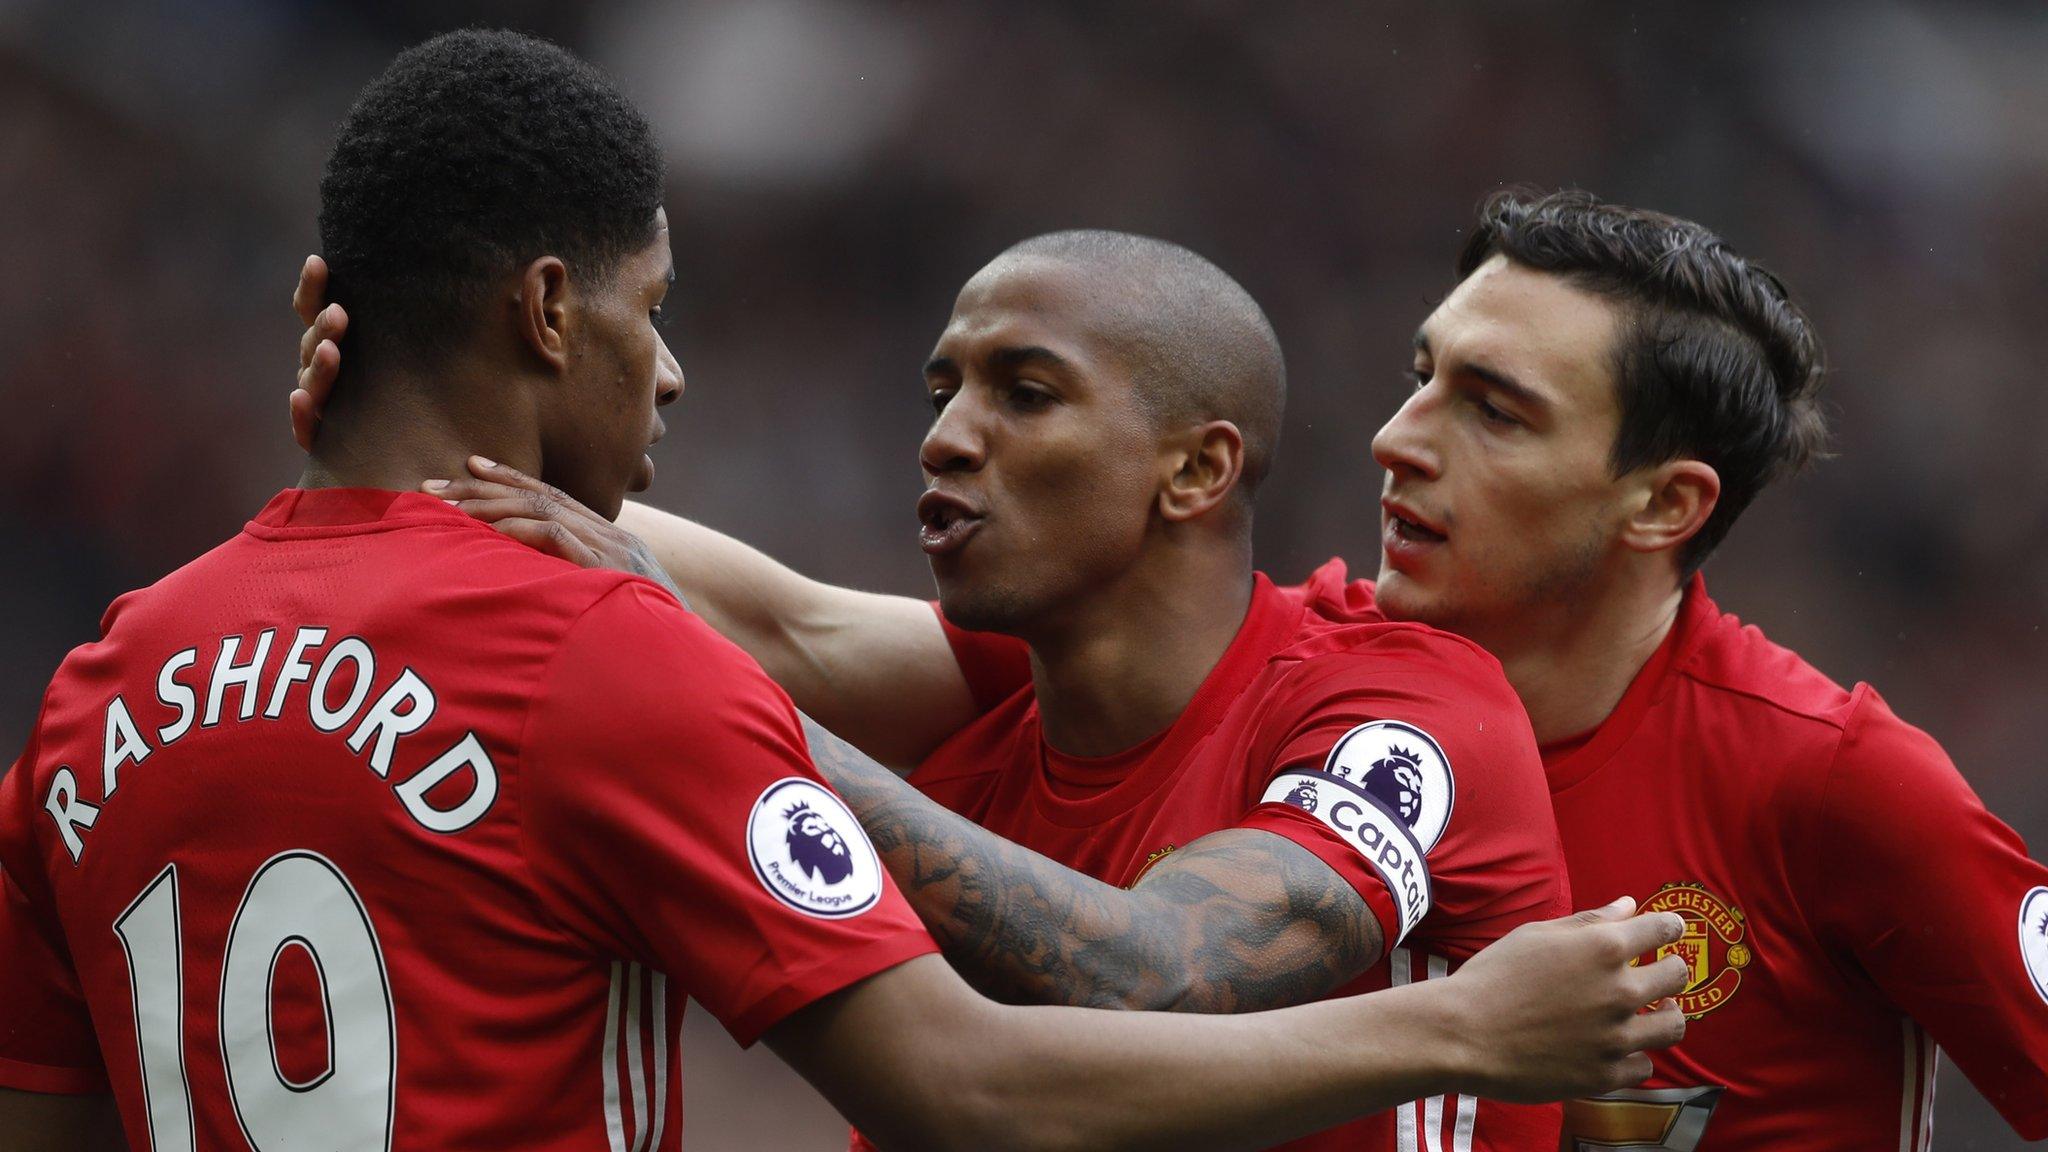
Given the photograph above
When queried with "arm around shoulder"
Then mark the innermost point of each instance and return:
(874, 668)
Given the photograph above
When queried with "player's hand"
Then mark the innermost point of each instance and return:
(1555, 1009)
(549, 519)
(319, 350)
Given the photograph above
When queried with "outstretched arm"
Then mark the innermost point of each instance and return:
(1056, 1077)
(1237, 921)
(875, 668)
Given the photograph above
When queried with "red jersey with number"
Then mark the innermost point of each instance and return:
(1397, 754)
(374, 828)
(1849, 905)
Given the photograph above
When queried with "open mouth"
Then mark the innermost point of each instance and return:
(945, 522)
(1404, 526)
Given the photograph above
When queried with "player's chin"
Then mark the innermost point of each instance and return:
(642, 477)
(1402, 596)
(972, 605)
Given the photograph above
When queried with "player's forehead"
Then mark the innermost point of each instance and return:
(1533, 327)
(1022, 301)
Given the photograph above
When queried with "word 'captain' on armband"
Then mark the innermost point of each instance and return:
(1386, 789)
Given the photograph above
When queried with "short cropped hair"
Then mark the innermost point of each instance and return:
(1715, 361)
(1199, 346)
(473, 154)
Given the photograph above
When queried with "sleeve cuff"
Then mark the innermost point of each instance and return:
(802, 987)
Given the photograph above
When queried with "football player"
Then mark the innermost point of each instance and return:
(373, 828)
(1256, 795)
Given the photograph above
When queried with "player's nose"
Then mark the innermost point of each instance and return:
(668, 379)
(1403, 444)
(956, 442)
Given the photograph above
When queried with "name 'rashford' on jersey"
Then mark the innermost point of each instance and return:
(374, 823)
(1849, 904)
(1396, 753)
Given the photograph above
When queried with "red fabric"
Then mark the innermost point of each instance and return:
(1309, 664)
(629, 746)
(995, 665)
(1841, 850)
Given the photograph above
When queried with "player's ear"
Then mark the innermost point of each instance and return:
(541, 310)
(1203, 464)
(1674, 500)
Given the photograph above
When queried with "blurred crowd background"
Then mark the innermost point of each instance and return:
(838, 168)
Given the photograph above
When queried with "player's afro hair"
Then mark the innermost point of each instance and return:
(473, 154)
(1718, 363)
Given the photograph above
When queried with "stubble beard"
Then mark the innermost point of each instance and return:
(1499, 611)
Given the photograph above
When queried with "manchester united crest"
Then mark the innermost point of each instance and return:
(1716, 945)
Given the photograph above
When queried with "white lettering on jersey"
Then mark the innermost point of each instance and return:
(227, 674)
(405, 706)
(294, 669)
(69, 811)
(1364, 823)
(389, 723)
(355, 651)
(123, 743)
(172, 693)
(467, 754)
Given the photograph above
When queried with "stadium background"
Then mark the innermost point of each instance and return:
(838, 169)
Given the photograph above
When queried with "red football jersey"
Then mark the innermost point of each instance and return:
(1397, 754)
(1848, 901)
(374, 828)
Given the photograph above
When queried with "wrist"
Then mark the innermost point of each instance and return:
(1455, 1062)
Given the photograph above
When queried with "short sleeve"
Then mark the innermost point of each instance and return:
(47, 1043)
(1939, 903)
(995, 666)
(672, 816)
(1408, 766)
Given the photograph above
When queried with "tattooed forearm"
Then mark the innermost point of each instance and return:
(1238, 921)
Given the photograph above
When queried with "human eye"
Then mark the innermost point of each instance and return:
(1028, 397)
(1417, 378)
(939, 398)
(1492, 413)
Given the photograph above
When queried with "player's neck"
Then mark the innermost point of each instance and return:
(398, 431)
(1122, 667)
(1572, 668)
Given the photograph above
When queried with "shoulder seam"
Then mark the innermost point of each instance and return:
(1404, 627)
(1849, 697)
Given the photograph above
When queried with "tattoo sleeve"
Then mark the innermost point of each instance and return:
(1238, 921)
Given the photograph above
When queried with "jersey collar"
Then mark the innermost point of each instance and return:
(297, 512)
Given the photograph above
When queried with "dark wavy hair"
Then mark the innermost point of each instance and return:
(1716, 362)
(474, 153)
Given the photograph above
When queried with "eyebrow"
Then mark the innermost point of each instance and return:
(1009, 359)
(1495, 378)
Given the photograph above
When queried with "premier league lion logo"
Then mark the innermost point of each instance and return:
(1303, 796)
(1403, 771)
(1395, 780)
(815, 846)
